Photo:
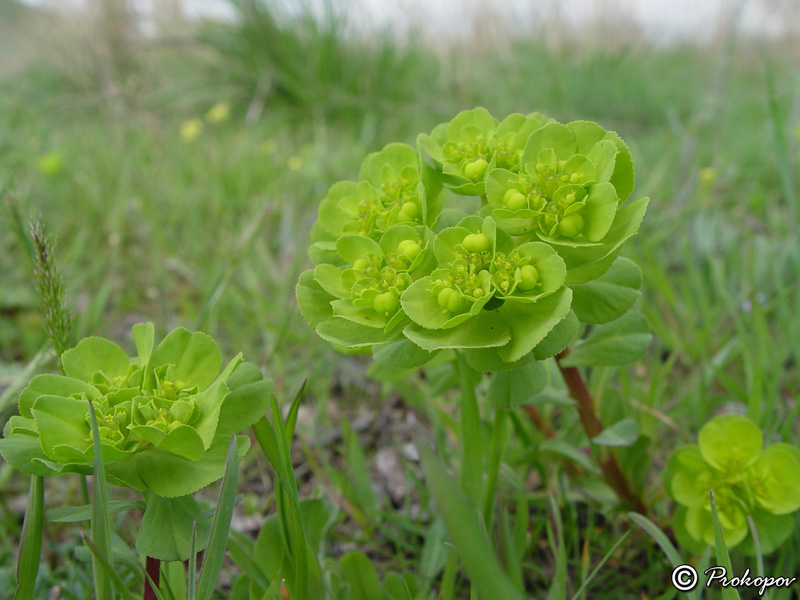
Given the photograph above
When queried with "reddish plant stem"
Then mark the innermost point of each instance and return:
(538, 421)
(543, 427)
(153, 569)
(592, 426)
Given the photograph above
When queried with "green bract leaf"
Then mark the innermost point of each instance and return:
(559, 337)
(53, 385)
(513, 388)
(730, 443)
(610, 296)
(617, 343)
(732, 519)
(403, 354)
(773, 531)
(170, 475)
(689, 477)
(194, 355)
(774, 478)
(531, 322)
(582, 260)
(92, 356)
(485, 330)
(165, 532)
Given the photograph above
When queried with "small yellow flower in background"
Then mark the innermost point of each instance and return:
(51, 164)
(295, 163)
(708, 175)
(191, 130)
(270, 146)
(218, 113)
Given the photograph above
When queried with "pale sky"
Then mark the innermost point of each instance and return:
(661, 21)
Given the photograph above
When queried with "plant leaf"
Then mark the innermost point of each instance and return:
(621, 433)
(212, 562)
(166, 529)
(617, 343)
(465, 532)
(30, 545)
(609, 297)
(514, 388)
(360, 574)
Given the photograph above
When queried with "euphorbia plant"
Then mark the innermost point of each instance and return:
(748, 481)
(507, 284)
(165, 418)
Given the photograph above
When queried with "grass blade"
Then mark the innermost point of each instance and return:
(191, 572)
(240, 549)
(658, 536)
(664, 543)
(30, 547)
(781, 145)
(291, 418)
(558, 588)
(721, 549)
(759, 554)
(215, 553)
(105, 565)
(466, 532)
(101, 532)
(599, 566)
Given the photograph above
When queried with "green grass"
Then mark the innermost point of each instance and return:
(212, 234)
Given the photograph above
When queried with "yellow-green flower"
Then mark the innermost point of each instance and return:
(218, 113)
(191, 130)
(747, 481)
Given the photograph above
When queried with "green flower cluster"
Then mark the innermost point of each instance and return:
(406, 266)
(165, 417)
(747, 479)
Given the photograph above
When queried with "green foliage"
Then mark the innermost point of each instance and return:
(747, 480)
(31, 542)
(304, 58)
(719, 258)
(494, 284)
(160, 413)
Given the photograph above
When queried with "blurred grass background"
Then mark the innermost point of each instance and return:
(180, 173)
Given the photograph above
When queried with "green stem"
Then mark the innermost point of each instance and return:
(471, 434)
(593, 426)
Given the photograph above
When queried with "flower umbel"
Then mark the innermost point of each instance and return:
(164, 417)
(746, 478)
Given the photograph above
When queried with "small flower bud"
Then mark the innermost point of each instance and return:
(515, 200)
(410, 208)
(476, 242)
(386, 303)
(181, 411)
(529, 277)
(360, 264)
(450, 300)
(476, 169)
(571, 225)
(409, 248)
